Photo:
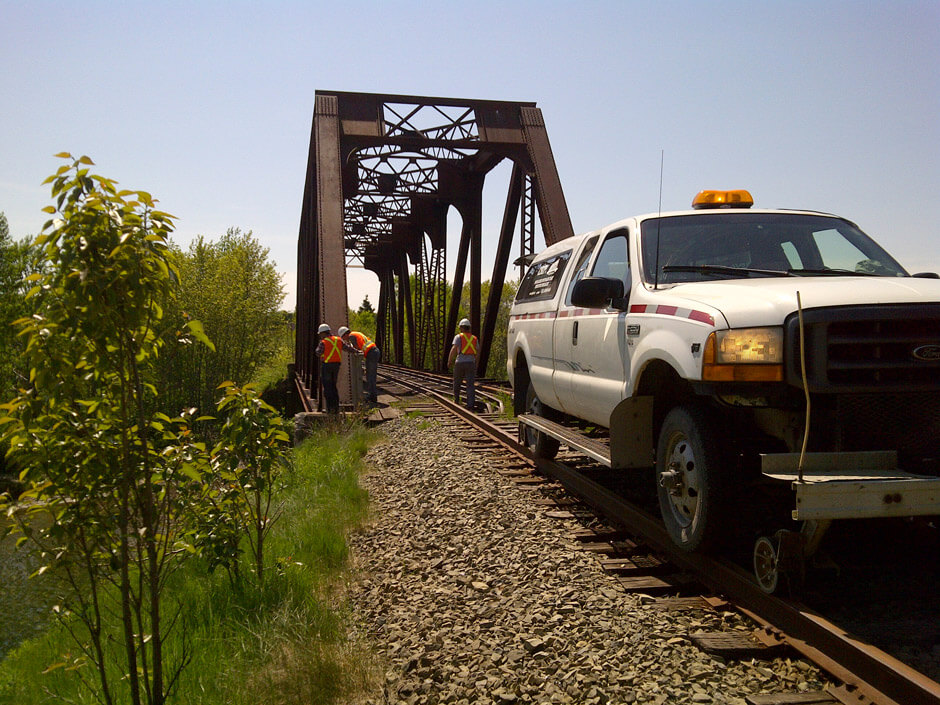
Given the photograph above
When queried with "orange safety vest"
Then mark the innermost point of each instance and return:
(362, 342)
(468, 344)
(331, 349)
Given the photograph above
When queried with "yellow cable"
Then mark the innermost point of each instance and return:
(799, 307)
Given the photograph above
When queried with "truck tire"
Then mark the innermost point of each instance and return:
(543, 446)
(690, 479)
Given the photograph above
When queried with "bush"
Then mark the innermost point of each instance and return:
(232, 288)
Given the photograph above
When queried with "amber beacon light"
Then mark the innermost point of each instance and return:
(738, 198)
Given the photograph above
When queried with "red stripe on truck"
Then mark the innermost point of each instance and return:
(699, 316)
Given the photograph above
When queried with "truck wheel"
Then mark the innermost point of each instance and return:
(690, 479)
(543, 446)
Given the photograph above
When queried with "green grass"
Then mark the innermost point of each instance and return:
(508, 412)
(274, 370)
(32, 597)
(285, 644)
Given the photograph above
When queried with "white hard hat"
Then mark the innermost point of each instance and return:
(464, 323)
(343, 330)
(324, 328)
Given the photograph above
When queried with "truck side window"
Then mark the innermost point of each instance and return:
(581, 267)
(613, 259)
(542, 279)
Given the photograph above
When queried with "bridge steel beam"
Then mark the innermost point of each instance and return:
(382, 172)
(510, 212)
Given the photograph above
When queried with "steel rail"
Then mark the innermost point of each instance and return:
(305, 399)
(868, 674)
(397, 373)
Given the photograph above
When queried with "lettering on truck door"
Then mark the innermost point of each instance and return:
(599, 340)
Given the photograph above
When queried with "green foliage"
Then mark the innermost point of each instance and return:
(127, 512)
(248, 462)
(15, 266)
(362, 321)
(363, 318)
(366, 305)
(285, 643)
(110, 480)
(235, 291)
(271, 377)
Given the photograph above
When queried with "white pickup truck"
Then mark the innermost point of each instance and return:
(733, 349)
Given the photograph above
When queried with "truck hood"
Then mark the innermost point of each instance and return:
(765, 302)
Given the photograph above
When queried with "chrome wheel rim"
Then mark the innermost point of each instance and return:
(765, 564)
(682, 480)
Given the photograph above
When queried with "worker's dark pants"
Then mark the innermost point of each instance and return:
(372, 370)
(329, 372)
(465, 371)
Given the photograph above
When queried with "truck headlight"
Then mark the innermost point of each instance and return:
(744, 355)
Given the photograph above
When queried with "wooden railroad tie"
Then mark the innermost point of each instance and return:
(647, 584)
(591, 535)
(530, 481)
(560, 514)
(676, 604)
(637, 564)
(509, 472)
(816, 697)
(739, 644)
(556, 502)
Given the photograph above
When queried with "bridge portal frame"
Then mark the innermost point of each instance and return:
(382, 172)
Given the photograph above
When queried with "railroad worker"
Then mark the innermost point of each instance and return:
(463, 358)
(372, 355)
(329, 353)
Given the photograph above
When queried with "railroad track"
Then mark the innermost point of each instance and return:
(634, 547)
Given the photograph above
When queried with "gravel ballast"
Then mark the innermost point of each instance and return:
(468, 592)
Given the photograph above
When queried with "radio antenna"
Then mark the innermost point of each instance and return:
(659, 220)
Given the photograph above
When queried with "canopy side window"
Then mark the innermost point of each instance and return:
(542, 280)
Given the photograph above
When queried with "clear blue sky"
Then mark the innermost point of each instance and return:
(832, 106)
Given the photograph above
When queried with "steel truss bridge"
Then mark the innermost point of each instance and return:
(382, 173)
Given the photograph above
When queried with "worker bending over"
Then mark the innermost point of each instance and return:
(370, 352)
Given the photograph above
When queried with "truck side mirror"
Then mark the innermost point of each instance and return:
(598, 292)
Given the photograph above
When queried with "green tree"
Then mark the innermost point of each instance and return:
(363, 319)
(15, 266)
(248, 462)
(13, 270)
(235, 291)
(111, 477)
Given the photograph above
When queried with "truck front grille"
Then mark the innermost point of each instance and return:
(858, 349)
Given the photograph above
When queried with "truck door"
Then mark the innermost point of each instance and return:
(597, 345)
(563, 351)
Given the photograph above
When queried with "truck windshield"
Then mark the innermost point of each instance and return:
(709, 246)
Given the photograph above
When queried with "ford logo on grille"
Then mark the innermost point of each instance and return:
(930, 353)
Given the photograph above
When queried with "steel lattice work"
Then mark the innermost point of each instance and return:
(382, 173)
